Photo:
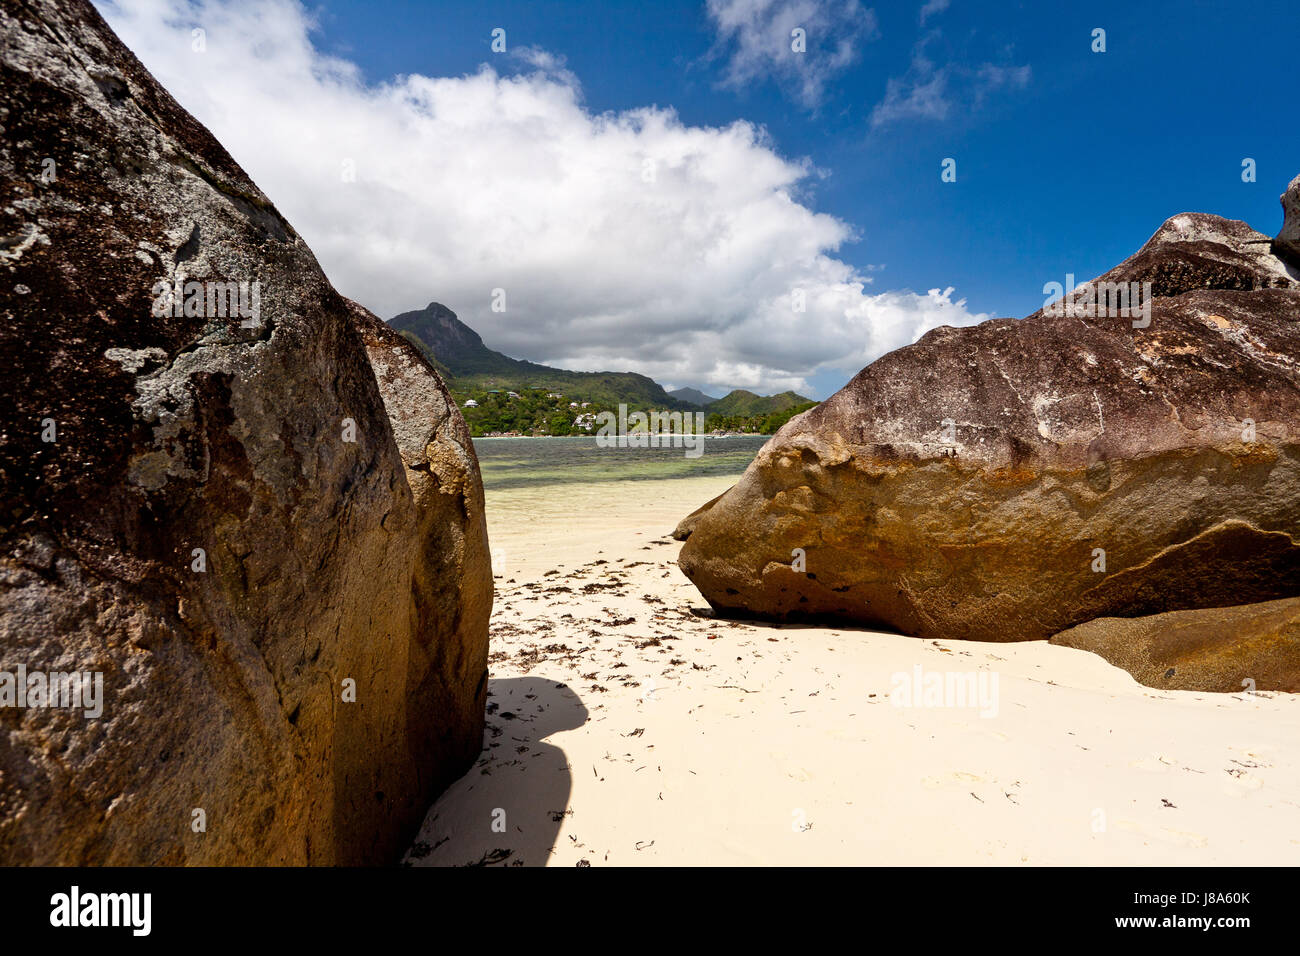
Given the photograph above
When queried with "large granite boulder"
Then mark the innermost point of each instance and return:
(1009, 480)
(452, 581)
(687, 524)
(1287, 242)
(1253, 647)
(210, 511)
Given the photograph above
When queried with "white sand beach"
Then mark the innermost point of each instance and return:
(626, 729)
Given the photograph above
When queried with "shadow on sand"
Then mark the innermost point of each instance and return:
(508, 808)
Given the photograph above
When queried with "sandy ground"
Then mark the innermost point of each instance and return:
(624, 728)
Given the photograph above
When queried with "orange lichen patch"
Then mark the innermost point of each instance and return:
(1011, 476)
(879, 468)
(1157, 348)
(1254, 454)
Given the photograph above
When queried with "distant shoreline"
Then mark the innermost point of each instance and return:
(648, 435)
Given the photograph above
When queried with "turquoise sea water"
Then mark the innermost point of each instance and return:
(525, 462)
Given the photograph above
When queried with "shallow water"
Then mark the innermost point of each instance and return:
(516, 463)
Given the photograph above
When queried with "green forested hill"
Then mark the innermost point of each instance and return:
(741, 402)
(472, 368)
(692, 395)
(549, 401)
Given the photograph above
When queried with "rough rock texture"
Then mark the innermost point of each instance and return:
(452, 582)
(225, 689)
(1228, 650)
(960, 487)
(1287, 242)
(687, 524)
(1195, 251)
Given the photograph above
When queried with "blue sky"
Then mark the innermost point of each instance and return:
(1066, 159)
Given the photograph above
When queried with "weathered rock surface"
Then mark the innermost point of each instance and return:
(1195, 251)
(319, 676)
(1224, 649)
(965, 486)
(687, 524)
(452, 581)
(1287, 243)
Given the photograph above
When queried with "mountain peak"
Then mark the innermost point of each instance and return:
(451, 339)
(693, 396)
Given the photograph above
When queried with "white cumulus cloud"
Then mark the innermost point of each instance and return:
(623, 240)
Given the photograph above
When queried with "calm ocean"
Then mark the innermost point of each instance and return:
(526, 462)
